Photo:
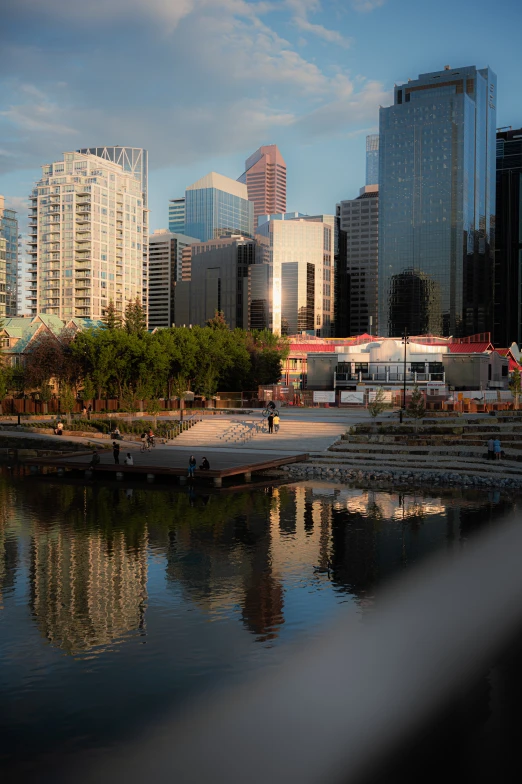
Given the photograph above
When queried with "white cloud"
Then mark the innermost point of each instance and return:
(301, 9)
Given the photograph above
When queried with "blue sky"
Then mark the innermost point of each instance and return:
(202, 83)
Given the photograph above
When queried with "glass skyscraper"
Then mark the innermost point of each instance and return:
(372, 159)
(177, 216)
(9, 231)
(508, 235)
(437, 204)
(217, 206)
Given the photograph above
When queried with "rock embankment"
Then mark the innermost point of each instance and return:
(400, 477)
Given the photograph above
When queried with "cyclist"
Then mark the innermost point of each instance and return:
(143, 441)
(150, 438)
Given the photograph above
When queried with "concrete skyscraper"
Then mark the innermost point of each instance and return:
(437, 203)
(216, 206)
(265, 178)
(132, 159)
(165, 270)
(9, 231)
(87, 228)
(3, 246)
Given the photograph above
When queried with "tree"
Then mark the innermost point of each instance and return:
(179, 387)
(417, 405)
(135, 321)
(515, 386)
(218, 321)
(88, 389)
(112, 318)
(378, 404)
(5, 378)
(67, 400)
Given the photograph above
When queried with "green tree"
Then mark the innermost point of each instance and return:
(89, 389)
(179, 387)
(218, 321)
(112, 318)
(67, 400)
(378, 404)
(515, 385)
(417, 405)
(135, 321)
(5, 380)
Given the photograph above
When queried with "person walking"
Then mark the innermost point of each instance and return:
(491, 449)
(89, 411)
(276, 422)
(497, 448)
(192, 466)
(95, 459)
(116, 452)
(270, 423)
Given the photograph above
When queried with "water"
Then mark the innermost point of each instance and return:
(119, 603)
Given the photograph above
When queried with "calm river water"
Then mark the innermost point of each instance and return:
(119, 603)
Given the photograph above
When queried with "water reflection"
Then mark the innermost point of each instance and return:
(214, 585)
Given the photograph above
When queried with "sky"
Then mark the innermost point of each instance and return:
(201, 84)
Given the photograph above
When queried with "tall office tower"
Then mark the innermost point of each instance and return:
(165, 269)
(265, 178)
(217, 206)
(359, 220)
(9, 231)
(3, 266)
(300, 254)
(508, 239)
(177, 216)
(225, 274)
(372, 159)
(87, 227)
(437, 202)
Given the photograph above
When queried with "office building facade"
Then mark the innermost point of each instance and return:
(372, 159)
(508, 239)
(9, 232)
(300, 254)
(216, 206)
(437, 203)
(87, 228)
(224, 274)
(177, 216)
(265, 178)
(165, 270)
(359, 221)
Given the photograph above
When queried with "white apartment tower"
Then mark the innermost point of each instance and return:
(88, 229)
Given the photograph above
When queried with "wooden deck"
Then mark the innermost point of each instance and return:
(242, 465)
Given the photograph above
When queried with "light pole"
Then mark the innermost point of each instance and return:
(405, 340)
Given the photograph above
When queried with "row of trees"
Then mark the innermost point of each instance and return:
(124, 360)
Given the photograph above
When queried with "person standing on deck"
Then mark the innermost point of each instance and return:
(116, 452)
(192, 466)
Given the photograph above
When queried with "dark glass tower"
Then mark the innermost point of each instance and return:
(508, 240)
(437, 203)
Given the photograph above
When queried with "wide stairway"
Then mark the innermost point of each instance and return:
(293, 436)
(435, 445)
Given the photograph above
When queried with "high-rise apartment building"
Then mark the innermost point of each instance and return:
(216, 206)
(437, 203)
(265, 178)
(300, 254)
(508, 239)
(359, 220)
(3, 255)
(227, 276)
(87, 228)
(9, 231)
(372, 159)
(165, 270)
(133, 160)
(177, 216)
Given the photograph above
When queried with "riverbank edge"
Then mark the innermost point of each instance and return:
(400, 477)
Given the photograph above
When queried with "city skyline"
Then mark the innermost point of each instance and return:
(319, 116)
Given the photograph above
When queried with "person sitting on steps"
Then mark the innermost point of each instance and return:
(205, 465)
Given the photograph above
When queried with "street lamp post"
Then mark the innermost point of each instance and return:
(405, 340)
